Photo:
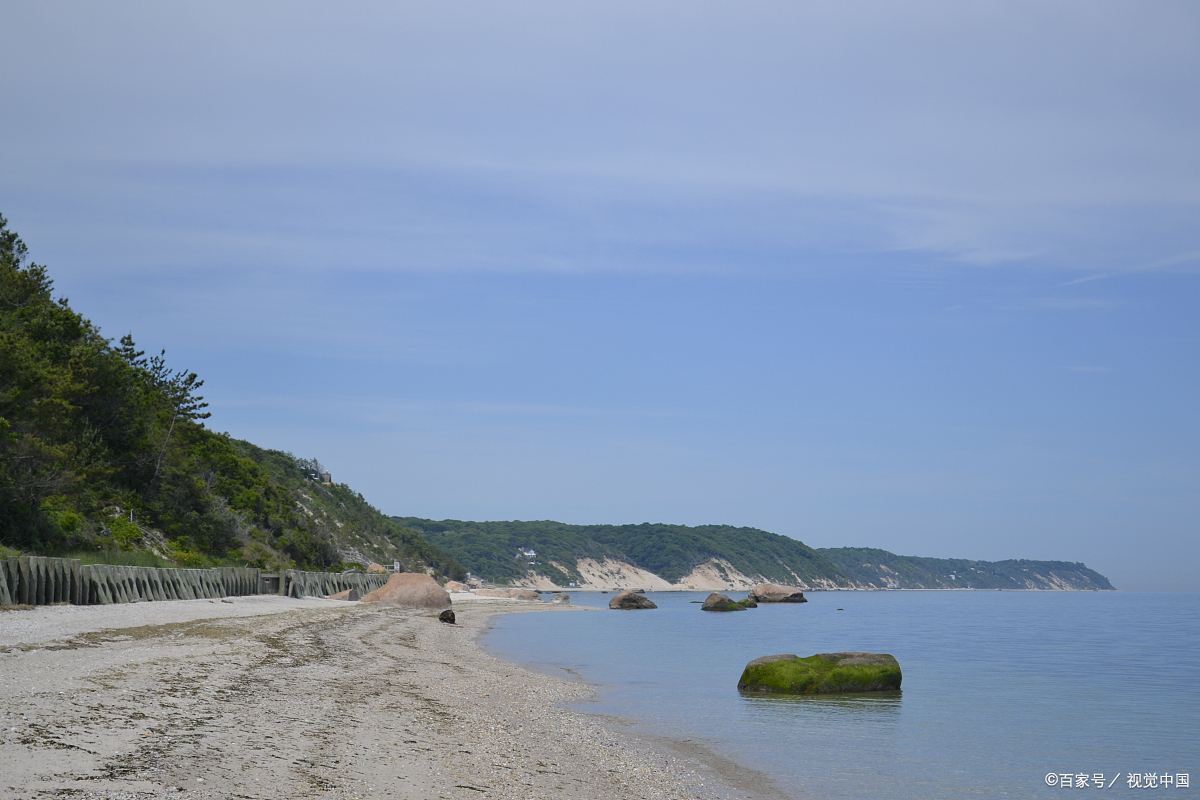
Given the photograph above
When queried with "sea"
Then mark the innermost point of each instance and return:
(1004, 694)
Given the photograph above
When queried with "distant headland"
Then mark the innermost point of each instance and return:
(659, 557)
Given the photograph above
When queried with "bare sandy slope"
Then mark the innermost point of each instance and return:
(266, 697)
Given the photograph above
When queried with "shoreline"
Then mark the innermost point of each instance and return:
(269, 697)
(724, 777)
(590, 590)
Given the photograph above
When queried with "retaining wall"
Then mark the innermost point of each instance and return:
(39, 581)
(323, 584)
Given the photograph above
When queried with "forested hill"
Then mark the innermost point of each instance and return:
(669, 551)
(492, 550)
(103, 449)
(878, 568)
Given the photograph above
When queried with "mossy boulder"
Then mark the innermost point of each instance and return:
(720, 602)
(824, 673)
(628, 601)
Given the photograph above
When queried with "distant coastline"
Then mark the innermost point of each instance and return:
(657, 557)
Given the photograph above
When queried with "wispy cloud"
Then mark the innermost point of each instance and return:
(1189, 257)
(1085, 279)
(1073, 304)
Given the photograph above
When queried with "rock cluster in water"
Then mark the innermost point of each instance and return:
(774, 593)
(824, 673)
(720, 602)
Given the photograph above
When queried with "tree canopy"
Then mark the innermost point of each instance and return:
(104, 447)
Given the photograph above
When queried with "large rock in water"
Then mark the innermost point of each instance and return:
(376, 569)
(774, 593)
(627, 601)
(823, 673)
(509, 594)
(410, 590)
(721, 602)
(561, 598)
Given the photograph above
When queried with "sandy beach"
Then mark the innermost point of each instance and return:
(269, 697)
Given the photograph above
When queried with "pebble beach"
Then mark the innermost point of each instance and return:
(271, 697)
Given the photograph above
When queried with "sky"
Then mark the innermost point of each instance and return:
(918, 276)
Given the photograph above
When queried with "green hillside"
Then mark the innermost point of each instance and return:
(669, 551)
(103, 449)
(489, 549)
(878, 568)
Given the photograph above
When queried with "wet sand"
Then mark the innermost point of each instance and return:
(268, 697)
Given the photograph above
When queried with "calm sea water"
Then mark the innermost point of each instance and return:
(1000, 688)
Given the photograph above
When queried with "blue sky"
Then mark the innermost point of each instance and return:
(913, 276)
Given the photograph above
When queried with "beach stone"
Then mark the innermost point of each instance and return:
(455, 586)
(561, 598)
(824, 673)
(510, 594)
(349, 594)
(376, 569)
(774, 593)
(410, 590)
(720, 602)
(629, 601)
(447, 616)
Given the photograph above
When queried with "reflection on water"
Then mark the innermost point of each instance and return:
(1000, 688)
(872, 706)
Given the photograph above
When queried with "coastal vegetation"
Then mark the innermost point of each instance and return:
(495, 552)
(874, 568)
(669, 551)
(104, 452)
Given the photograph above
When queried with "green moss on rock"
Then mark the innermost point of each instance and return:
(824, 673)
(721, 602)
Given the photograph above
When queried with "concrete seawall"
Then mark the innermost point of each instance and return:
(323, 584)
(39, 581)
